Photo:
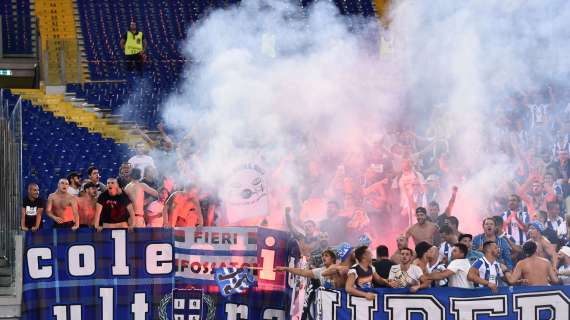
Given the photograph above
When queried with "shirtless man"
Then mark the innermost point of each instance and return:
(536, 270)
(423, 230)
(401, 243)
(136, 190)
(62, 207)
(544, 249)
(182, 209)
(87, 204)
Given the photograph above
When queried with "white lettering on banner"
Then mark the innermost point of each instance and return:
(139, 307)
(234, 310)
(273, 314)
(401, 306)
(529, 305)
(268, 257)
(120, 267)
(361, 308)
(469, 308)
(60, 312)
(34, 256)
(159, 258)
(106, 294)
(330, 301)
(74, 257)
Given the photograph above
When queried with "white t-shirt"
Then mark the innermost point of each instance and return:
(141, 162)
(408, 278)
(72, 191)
(461, 268)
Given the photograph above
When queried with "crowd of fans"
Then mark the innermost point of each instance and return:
(525, 237)
(139, 197)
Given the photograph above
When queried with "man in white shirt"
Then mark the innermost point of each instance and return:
(140, 160)
(74, 180)
(406, 274)
(457, 270)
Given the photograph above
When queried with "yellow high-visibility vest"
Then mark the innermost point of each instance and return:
(134, 43)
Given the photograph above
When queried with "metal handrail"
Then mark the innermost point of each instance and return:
(10, 175)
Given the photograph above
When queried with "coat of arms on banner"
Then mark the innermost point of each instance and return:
(187, 304)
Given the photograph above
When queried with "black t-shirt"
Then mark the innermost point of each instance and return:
(31, 209)
(114, 207)
(383, 267)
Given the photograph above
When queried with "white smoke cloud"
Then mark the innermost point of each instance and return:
(274, 76)
(269, 75)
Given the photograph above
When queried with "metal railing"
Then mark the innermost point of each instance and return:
(10, 174)
(61, 62)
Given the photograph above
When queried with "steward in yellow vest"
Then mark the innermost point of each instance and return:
(134, 46)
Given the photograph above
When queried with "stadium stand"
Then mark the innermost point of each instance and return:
(53, 147)
(164, 25)
(17, 27)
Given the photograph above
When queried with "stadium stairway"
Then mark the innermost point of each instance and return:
(11, 285)
(85, 115)
(61, 38)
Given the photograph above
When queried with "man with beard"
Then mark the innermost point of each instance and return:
(423, 230)
(487, 271)
(536, 270)
(62, 207)
(405, 274)
(74, 180)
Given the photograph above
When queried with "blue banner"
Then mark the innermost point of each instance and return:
(169, 274)
(510, 303)
(116, 274)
